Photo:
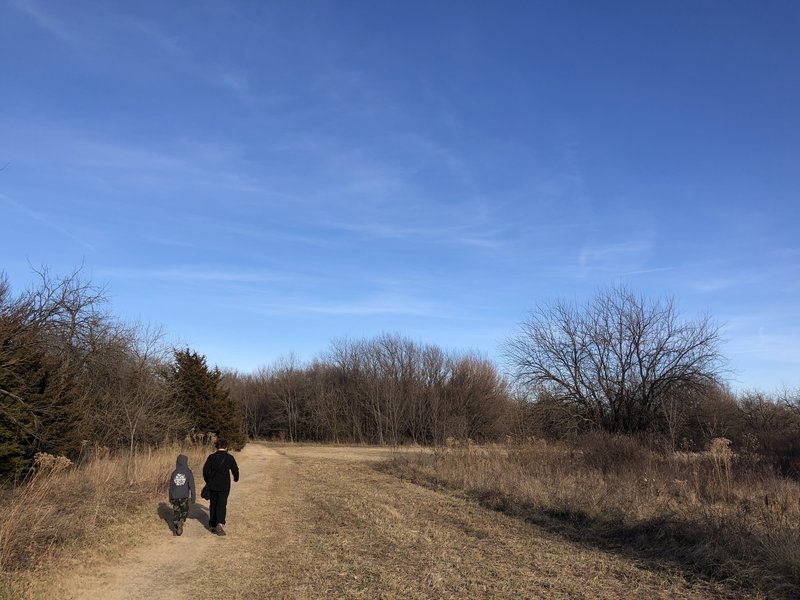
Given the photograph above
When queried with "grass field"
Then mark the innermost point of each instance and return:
(351, 522)
(712, 515)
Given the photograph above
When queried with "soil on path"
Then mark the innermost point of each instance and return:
(321, 522)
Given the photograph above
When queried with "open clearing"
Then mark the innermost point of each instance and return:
(323, 522)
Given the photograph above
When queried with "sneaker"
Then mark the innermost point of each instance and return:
(220, 530)
(179, 528)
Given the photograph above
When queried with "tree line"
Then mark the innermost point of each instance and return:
(72, 375)
(627, 364)
(384, 390)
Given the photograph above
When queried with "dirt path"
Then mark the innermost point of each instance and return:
(321, 522)
(167, 566)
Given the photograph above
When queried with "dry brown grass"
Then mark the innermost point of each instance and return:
(329, 522)
(60, 507)
(711, 515)
(326, 523)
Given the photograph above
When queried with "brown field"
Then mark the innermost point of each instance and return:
(311, 521)
(713, 516)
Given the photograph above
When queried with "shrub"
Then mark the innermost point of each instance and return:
(609, 453)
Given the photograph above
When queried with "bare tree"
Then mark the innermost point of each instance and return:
(429, 409)
(287, 383)
(385, 390)
(347, 362)
(251, 391)
(126, 402)
(616, 362)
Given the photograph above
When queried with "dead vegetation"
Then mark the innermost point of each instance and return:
(324, 522)
(713, 514)
(60, 507)
(328, 524)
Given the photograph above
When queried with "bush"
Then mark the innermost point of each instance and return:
(612, 453)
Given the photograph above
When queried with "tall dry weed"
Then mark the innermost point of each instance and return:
(60, 504)
(722, 457)
(27, 504)
(708, 512)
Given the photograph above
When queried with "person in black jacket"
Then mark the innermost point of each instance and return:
(216, 473)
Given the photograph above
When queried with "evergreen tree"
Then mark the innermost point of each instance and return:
(199, 389)
(19, 419)
(37, 391)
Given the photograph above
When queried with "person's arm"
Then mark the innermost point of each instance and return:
(207, 469)
(234, 469)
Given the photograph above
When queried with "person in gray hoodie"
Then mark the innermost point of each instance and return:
(181, 492)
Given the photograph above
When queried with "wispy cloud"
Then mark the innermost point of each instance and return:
(765, 341)
(350, 292)
(765, 354)
(375, 307)
(194, 273)
(776, 347)
(228, 77)
(717, 284)
(778, 271)
(648, 271)
(48, 21)
(618, 257)
(785, 253)
(166, 164)
(464, 235)
(115, 33)
(379, 197)
(46, 220)
(272, 234)
(367, 307)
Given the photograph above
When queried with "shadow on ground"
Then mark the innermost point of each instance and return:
(657, 544)
(196, 511)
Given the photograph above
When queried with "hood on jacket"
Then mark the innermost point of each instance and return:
(182, 461)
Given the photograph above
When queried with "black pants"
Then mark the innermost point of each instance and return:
(216, 511)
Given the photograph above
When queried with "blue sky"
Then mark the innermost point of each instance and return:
(261, 178)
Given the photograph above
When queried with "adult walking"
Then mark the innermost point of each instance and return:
(216, 473)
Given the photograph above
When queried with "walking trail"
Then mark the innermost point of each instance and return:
(322, 522)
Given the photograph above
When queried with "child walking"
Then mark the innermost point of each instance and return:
(181, 492)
